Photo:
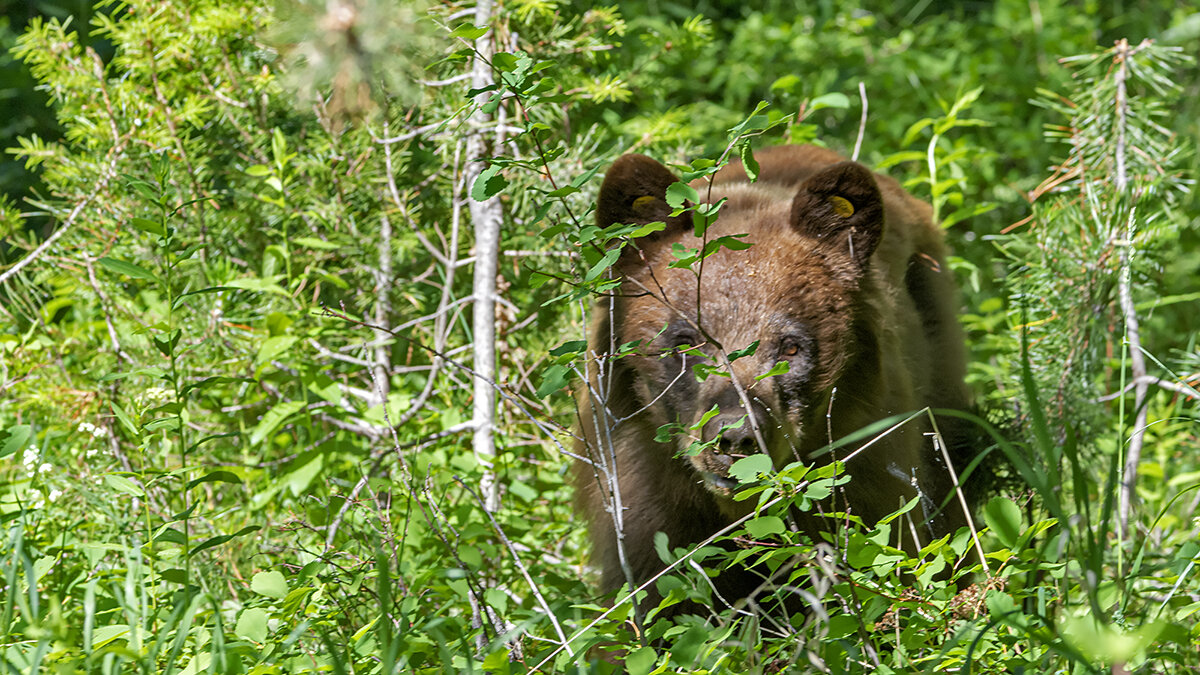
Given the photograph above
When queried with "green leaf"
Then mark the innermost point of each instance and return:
(748, 350)
(147, 225)
(162, 423)
(678, 193)
(123, 484)
(106, 634)
(610, 257)
(764, 526)
(786, 83)
(830, 100)
(270, 584)
(731, 242)
(319, 244)
(748, 162)
(667, 432)
(641, 661)
(170, 535)
(469, 32)
(274, 417)
(127, 268)
(216, 477)
(488, 184)
(252, 625)
(302, 476)
(222, 538)
(571, 347)
(211, 289)
(294, 600)
(708, 415)
(166, 346)
(209, 381)
(554, 378)
(1004, 519)
(749, 468)
(656, 226)
(779, 368)
(14, 438)
(125, 420)
(504, 62)
(272, 347)
(499, 662)
(256, 284)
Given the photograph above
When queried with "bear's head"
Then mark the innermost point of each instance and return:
(796, 294)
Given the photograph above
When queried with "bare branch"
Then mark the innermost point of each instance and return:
(97, 189)
(1182, 389)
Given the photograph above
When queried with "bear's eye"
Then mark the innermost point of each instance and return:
(685, 340)
(790, 346)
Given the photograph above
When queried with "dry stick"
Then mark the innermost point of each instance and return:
(448, 360)
(486, 217)
(440, 325)
(383, 310)
(1137, 360)
(96, 190)
(604, 472)
(1181, 389)
(409, 480)
(89, 262)
(646, 584)
(862, 123)
(537, 594)
(939, 441)
(608, 458)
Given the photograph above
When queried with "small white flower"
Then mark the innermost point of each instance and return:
(54, 494)
(30, 457)
(87, 428)
(91, 452)
(45, 468)
(99, 432)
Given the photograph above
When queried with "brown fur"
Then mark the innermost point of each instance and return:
(863, 313)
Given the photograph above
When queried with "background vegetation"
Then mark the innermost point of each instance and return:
(236, 259)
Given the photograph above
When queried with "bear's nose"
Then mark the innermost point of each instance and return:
(737, 442)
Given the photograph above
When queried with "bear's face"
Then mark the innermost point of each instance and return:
(792, 292)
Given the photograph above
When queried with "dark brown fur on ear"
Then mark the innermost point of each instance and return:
(841, 205)
(633, 193)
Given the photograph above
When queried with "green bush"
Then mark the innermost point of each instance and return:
(236, 374)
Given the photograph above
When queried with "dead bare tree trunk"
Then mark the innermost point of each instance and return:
(486, 217)
(1137, 361)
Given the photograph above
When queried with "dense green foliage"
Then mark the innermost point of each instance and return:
(235, 331)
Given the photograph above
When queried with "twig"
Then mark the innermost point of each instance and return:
(89, 262)
(940, 442)
(94, 191)
(537, 594)
(1181, 389)
(646, 584)
(862, 123)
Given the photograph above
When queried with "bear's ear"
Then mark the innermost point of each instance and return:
(634, 193)
(841, 206)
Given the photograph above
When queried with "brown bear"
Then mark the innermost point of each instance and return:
(846, 281)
